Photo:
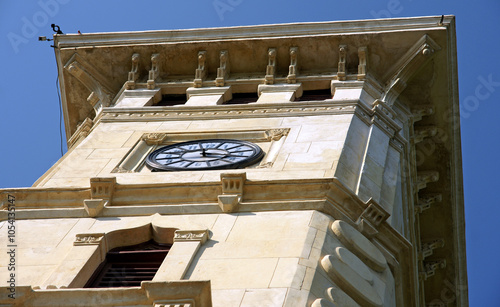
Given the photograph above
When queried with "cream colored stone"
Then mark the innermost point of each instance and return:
(177, 261)
(276, 97)
(350, 281)
(320, 220)
(296, 297)
(354, 263)
(103, 153)
(323, 132)
(274, 297)
(339, 297)
(360, 245)
(288, 274)
(206, 100)
(321, 302)
(223, 226)
(235, 273)
(226, 298)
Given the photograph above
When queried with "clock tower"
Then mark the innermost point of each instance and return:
(311, 164)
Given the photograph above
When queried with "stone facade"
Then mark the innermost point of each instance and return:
(348, 206)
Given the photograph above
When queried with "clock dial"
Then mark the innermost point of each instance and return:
(204, 155)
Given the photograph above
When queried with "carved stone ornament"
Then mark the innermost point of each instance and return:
(371, 218)
(430, 268)
(277, 134)
(271, 66)
(425, 177)
(429, 247)
(341, 72)
(154, 138)
(191, 235)
(232, 191)
(425, 201)
(201, 71)
(362, 63)
(223, 70)
(293, 69)
(133, 74)
(88, 239)
(154, 73)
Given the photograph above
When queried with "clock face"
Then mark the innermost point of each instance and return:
(204, 155)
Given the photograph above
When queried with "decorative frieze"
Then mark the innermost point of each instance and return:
(88, 239)
(191, 235)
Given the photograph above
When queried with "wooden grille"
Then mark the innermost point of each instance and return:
(129, 266)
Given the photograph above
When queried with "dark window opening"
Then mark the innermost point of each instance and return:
(127, 266)
(243, 98)
(172, 100)
(315, 95)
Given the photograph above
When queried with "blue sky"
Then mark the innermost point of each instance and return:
(29, 116)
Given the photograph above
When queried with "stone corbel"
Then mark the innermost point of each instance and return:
(430, 268)
(293, 69)
(154, 138)
(371, 218)
(341, 71)
(100, 93)
(425, 177)
(271, 66)
(362, 56)
(419, 112)
(429, 247)
(223, 70)
(101, 193)
(426, 201)
(133, 73)
(422, 133)
(201, 72)
(232, 191)
(154, 73)
(404, 69)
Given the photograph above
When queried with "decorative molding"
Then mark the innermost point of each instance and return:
(370, 219)
(409, 64)
(174, 303)
(133, 74)
(154, 138)
(341, 72)
(276, 134)
(154, 73)
(223, 112)
(223, 70)
(232, 191)
(271, 66)
(88, 239)
(201, 72)
(191, 235)
(100, 93)
(81, 132)
(293, 69)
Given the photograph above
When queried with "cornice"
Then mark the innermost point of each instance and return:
(251, 32)
(228, 111)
